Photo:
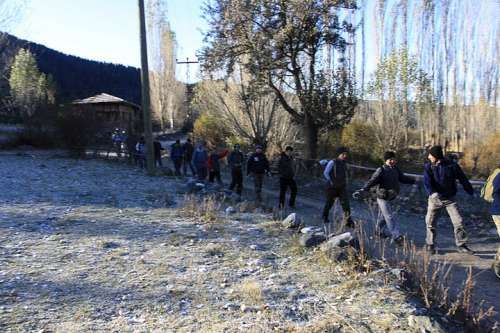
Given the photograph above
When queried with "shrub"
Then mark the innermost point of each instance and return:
(483, 158)
(361, 139)
(208, 128)
(77, 130)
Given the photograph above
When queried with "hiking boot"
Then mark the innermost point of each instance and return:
(430, 249)
(464, 249)
(399, 240)
(350, 224)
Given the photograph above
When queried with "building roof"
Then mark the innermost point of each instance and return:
(104, 98)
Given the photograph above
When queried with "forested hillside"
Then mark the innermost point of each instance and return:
(75, 77)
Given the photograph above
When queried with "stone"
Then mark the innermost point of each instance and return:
(424, 324)
(308, 230)
(230, 210)
(312, 239)
(193, 186)
(292, 221)
(341, 240)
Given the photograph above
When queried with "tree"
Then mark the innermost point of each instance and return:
(396, 78)
(251, 112)
(30, 89)
(167, 94)
(281, 44)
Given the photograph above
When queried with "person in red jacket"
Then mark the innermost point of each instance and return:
(214, 165)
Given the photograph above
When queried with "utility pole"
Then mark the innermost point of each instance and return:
(146, 111)
(187, 63)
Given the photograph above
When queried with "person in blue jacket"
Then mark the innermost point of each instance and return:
(177, 154)
(440, 176)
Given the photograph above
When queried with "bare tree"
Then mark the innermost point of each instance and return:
(252, 112)
(167, 94)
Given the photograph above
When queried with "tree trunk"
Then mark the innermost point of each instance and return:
(310, 138)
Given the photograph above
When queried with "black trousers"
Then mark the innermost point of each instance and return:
(286, 183)
(331, 195)
(214, 175)
(236, 180)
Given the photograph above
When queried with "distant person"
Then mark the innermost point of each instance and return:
(214, 165)
(491, 193)
(236, 160)
(336, 187)
(200, 161)
(386, 180)
(131, 141)
(157, 149)
(258, 166)
(287, 174)
(188, 156)
(177, 155)
(440, 176)
(140, 151)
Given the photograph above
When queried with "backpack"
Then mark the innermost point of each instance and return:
(487, 190)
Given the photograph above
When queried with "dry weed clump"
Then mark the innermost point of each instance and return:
(426, 278)
(251, 292)
(205, 209)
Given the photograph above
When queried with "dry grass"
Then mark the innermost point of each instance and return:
(205, 209)
(251, 293)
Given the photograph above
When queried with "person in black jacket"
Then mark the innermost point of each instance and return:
(236, 160)
(287, 174)
(258, 166)
(188, 156)
(386, 181)
(440, 182)
(157, 150)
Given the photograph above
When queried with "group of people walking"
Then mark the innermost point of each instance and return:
(440, 176)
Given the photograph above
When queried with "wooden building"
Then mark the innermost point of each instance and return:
(110, 111)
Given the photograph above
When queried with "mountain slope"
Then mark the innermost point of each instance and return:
(75, 77)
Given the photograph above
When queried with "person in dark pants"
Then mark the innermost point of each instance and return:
(258, 166)
(336, 176)
(235, 160)
(287, 174)
(157, 150)
(177, 154)
(140, 152)
(188, 156)
(386, 181)
(214, 166)
(200, 162)
(440, 176)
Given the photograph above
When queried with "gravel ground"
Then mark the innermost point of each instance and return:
(93, 246)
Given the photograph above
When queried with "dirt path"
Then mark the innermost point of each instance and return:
(483, 242)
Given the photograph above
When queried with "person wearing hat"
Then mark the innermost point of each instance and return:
(258, 166)
(440, 176)
(336, 176)
(287, 173)
(236, 160)
(386, 181)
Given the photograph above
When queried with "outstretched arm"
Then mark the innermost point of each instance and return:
(463, 180)
(374, 179)
(405, 179)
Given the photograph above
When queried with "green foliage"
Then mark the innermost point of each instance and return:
(361, 139)
(403, 93)
(30, 89)
(209, 129)
(281, 44)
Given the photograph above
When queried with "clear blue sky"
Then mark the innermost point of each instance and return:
(105, 30)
